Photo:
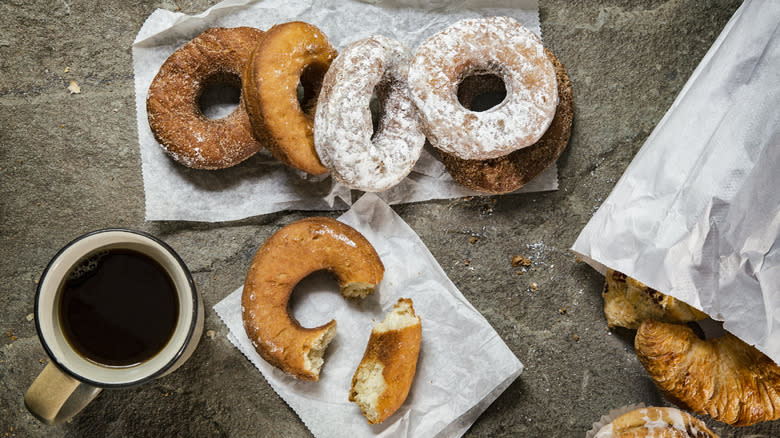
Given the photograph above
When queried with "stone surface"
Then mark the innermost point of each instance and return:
(69, 163)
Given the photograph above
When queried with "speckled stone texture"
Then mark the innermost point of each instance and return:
(70, 163)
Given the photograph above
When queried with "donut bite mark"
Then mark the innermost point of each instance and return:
(289, 255)
(498, 45)
(218, 55)
(385, 374)
(288, 54)
(510, 172)
(344, 138)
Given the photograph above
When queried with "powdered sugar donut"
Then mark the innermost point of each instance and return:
(342, 123)
(495, 45)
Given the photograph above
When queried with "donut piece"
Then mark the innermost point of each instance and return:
(218, 55)
(497, 45)
(343, 128)
(510, 172)
(723, 377)
(288, 54)
(628, 302)
(383, 378)
(655, 422)
(289, 255)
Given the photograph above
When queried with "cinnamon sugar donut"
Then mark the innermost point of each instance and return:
(218, 55)
(292, 253)
(510, 172)
(343, 135)
(498, 45)
(288, 54)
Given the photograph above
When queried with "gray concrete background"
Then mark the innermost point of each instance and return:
(70, 164)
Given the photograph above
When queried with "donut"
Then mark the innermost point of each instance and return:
(385, 374)
(628, 302)
(218, 55)
(510, 172)
(722, 377)
(478, 46)
(284, 259)
(288, 54)
(655, 422)
(343, 134)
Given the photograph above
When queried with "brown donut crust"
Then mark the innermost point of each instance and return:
(289, 52)
(288, 256)
(185, 134)
(510, 172)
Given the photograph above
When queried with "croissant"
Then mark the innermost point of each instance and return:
(628, 302)
(723, 377)
(655, 422)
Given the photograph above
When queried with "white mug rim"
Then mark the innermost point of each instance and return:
(192, 318)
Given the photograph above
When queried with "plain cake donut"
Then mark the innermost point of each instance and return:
(343, 134)
(498, 45)
(511, 172)
(288, 54)
(289, 255)
(385, 374)
(218, 55)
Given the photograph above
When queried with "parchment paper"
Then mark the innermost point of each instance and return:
(261, 184)
(463, 365)
(697, 213)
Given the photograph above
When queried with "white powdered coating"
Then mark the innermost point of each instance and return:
(498, 45)
(342, 122)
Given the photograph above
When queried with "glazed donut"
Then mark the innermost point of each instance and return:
(218, 55)
(655, 422)
(343, 128)
(510, 172)
(498, 45)
(289, 255)
(722, 377)
(288, 54)
(385, 374)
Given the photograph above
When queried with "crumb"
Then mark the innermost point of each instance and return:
(473, 240)
(519, 272)
(74, 88)
(30, 317)
(534, 286)
(578, 259)
(11, 335)
(562, 310)
(519, 260)
(467, 262)
(576, 337)
(211, 334)
(40, 361)
(67, 69)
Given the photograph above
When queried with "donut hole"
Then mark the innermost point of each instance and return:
(309, 85)
(312, 297)
(481, 89)
(220, 95)
(375, 107)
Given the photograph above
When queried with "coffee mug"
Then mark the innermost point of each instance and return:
(114, 308)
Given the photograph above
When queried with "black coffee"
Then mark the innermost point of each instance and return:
(118, 307)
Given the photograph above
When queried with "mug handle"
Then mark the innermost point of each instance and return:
(55, 397)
